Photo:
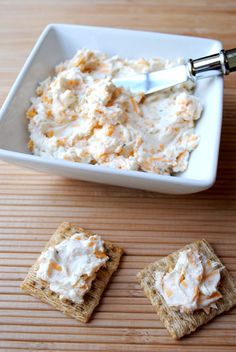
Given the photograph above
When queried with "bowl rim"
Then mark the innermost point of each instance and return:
(105, 169)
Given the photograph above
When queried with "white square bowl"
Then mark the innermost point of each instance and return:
(59, 42)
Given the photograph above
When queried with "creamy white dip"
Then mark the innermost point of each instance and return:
(71, 266)
(79, 115)
(192, 284)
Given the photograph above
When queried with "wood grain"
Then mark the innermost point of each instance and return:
(147, 225)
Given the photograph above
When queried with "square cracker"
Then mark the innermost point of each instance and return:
(176, 323)
(82, 311)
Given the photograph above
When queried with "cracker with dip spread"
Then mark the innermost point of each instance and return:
(73, 271)
(188, 288)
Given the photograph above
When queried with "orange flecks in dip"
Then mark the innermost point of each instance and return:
(31, 113)
(131, 153)
(91, 244)
(46, 99)
(114, 96)
(73, 82)
(110, 130)
(49, 114)
(215, 295)
(53, 266)
(97, 126)
(209, 263)
(157, 158)
(134, 105)
(49, 134)
(61, 142)
(100, 254)
(184, 283)
(104, 156)
(196, 293)
(199, 277)
(31, 145)
(169, 293)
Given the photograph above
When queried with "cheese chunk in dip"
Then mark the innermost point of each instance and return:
(191, 284)
(79, 115)
(70, 267)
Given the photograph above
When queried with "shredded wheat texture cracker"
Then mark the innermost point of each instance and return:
(181, 324)
(80, 311)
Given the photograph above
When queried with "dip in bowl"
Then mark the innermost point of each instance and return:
(61, 42)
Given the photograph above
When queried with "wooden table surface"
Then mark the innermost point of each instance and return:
(147, 225)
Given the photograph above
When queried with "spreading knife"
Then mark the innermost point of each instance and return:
(222, 63)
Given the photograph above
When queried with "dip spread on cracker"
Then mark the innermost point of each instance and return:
(188, 288)
(79, 115)
(70, 267)
(73, 271)
(191, 284)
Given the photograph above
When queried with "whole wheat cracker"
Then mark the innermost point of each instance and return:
(180, 324)
(82, 311)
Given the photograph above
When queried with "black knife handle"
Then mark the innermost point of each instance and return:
(230, 61)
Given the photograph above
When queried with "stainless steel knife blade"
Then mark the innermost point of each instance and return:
(148, 83)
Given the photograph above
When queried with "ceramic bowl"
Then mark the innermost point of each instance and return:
(59, 42)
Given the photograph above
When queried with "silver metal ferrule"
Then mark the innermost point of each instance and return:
(208, 66)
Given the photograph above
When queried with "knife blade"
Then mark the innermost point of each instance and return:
(148, 83)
